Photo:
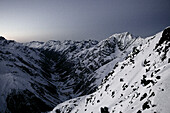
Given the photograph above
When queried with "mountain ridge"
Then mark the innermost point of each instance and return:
(48, 73)
(51, 72)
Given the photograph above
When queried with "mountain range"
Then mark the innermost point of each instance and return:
(121, 74)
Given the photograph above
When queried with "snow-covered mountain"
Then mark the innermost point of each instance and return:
(138, 84)
(37, 76)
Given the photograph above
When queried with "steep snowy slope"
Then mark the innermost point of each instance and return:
(138, 84)
(36, 76)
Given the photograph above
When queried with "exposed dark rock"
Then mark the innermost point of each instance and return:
(165, 37)
(146, 63)
(145, 82)
(152, 94)
(168, 60)
(139, 111)
(124, 86)
(121, 79)
(104, 110)
(158, 77)
(156, 71)
(107, 87)
(143, 96)
(146, 105)
(113, 94)
(57, 111)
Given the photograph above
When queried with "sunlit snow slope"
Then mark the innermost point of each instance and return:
(138, 84)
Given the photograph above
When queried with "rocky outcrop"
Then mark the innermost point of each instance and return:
(165, 37)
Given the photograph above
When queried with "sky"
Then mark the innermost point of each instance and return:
(43, 20)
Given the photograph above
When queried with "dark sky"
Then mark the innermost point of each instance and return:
(27, 20)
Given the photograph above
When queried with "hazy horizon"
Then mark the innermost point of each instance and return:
(42, 20)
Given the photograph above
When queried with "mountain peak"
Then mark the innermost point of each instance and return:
(122, 34)
(123, 39)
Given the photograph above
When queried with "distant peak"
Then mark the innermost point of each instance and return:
(35, 42)
(125, 33)
(53, 42)
(122, 34)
